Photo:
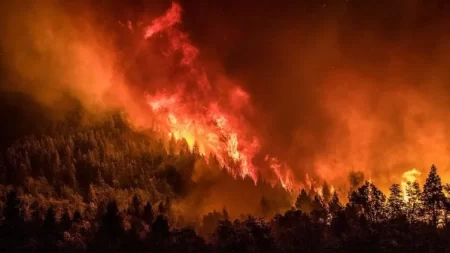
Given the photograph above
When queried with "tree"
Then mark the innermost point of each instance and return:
(303, 202)
(334, 206)
(369, 201)
(148, 215)
(414, 203)
(433, 196)
(112, 222)
(11, 212)
(396, 206)
(160, 228)
(66, 222)
(135, 207)
(319, 212)
(50, 220)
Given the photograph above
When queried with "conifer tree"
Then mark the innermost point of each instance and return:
(433, 196)
(303, 202)
(334, 206)
(414, 203)
(148, 214)
(370, 201)
(66, 222)
(135, 207)
(396, 206)
(11, 210)
(319, 211)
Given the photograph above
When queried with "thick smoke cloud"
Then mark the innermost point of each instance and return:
(337, 86)
(342, 85)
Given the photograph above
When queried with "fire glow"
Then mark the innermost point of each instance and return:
(203, 122)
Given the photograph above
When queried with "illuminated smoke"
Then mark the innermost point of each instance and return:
(409, 177)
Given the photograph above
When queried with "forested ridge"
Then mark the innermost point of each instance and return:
(105, 187)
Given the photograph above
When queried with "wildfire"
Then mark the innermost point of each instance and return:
(207, 118)
(197, 116)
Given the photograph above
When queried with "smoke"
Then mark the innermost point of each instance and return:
(327, 87)
(340, 87)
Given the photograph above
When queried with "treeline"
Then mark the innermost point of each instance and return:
(103, 187)
(78, 165)
(369, 222)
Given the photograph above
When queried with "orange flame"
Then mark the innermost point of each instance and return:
(203, 122)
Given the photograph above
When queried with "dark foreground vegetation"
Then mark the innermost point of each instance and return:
(106, 188)
(368, 223)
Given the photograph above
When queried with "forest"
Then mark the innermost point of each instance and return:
(104, 187)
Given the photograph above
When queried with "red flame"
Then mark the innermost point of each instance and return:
(215, 127)
(200, 119)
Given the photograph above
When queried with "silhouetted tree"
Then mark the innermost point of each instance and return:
(112, 222)
(303, 202)
(433, 196)
(11, 212)
(319, 212)
(135, 207)
(66, 221)
(48, 235)
(334, 206)
(396, 206)
(160, 233)
(12, 227)
(370, 201)
(415, 201)
(148, 215)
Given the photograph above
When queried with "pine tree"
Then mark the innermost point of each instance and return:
(433, 196)
(369, 200)
(396, 206)
(135, 208)
(50, 220)
(66, 222)
(303, 202)
(415, 203)
(112, 222)
(319, 211)
(148, 214)
(11, 211)
(160, 228)
(334, 206)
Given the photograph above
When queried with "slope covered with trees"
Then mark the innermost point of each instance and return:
(104, 187)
